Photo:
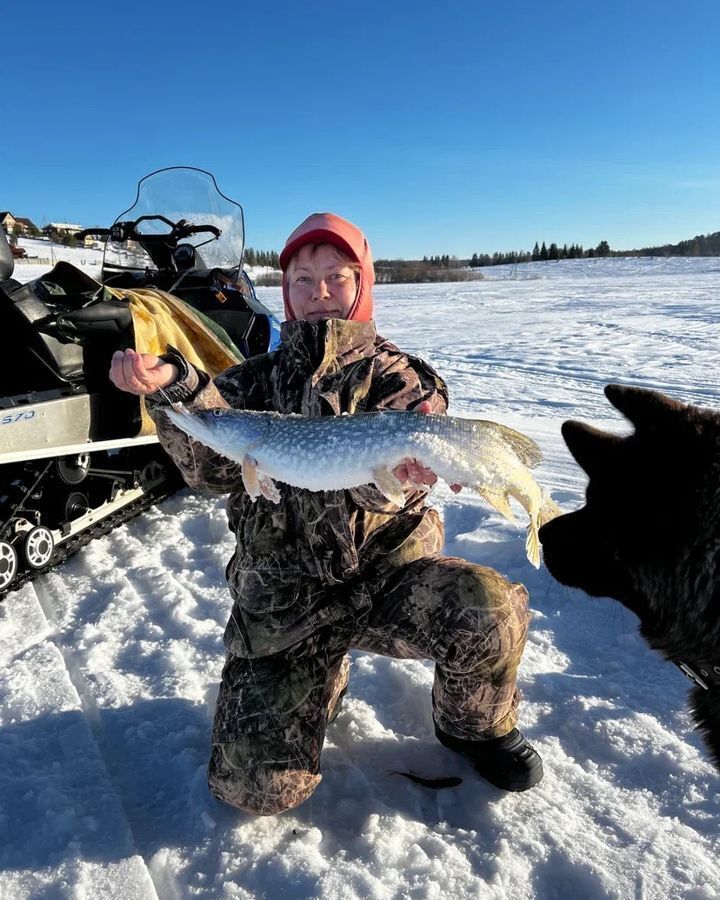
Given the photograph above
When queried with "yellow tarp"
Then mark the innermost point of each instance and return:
(159, 320)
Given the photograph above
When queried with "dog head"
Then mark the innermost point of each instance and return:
(648, 533)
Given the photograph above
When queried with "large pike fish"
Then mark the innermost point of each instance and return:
(332, 453)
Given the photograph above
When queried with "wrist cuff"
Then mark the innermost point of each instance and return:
(185, 386)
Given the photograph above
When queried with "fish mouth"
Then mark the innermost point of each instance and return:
(192, 424)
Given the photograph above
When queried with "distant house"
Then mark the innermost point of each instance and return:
(61, 228)
(7, 222)
(27, 225)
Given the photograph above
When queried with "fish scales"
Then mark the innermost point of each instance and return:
(341, 452)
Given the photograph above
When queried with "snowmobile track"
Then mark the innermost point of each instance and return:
(103, 527)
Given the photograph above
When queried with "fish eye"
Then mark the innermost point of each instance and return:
(217, 413)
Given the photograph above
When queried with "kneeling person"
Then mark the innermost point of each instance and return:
(321, 573)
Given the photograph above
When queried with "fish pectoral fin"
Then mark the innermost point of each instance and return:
(250, 478)
(497, 499)
(257, 483)
(268, 488)
(389, 486)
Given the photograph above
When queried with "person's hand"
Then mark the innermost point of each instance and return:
(141, 373)
(412, 470)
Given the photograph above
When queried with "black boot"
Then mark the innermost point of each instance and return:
(508, 762)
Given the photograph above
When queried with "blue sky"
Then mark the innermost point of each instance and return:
(437, 127)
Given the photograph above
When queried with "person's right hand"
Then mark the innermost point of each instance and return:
(141, 373)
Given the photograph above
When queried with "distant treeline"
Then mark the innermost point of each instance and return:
(539, 253)
(429, 268)
(261, 258)
(700, 245)
(444, 267)
(415, 271)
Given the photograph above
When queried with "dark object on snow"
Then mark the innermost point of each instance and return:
(448, 781)
(649, 533)
(508, 762)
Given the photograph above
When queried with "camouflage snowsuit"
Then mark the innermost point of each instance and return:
(324, 572)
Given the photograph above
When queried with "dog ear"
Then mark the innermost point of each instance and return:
(589, 445)
(645, 409)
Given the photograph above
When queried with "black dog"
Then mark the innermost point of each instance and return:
(649, 533)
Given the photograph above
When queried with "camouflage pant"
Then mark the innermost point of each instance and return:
(272, 711)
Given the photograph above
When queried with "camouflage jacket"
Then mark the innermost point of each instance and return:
(294, 560)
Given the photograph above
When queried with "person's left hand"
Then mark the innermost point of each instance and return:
(412, 470)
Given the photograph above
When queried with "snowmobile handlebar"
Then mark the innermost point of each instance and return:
(121, 232)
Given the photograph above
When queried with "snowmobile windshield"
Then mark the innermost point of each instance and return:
(180, 220)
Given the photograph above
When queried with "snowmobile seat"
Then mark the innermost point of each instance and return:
(66, 287)
(104, 319)
(7, 264)
(23, 323)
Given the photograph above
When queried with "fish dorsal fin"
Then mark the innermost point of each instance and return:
(389, 486)
(498, 499)
(525, 448)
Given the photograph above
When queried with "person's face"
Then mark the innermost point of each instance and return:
(321, 284)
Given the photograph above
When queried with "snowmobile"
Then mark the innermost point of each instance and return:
(73, 464)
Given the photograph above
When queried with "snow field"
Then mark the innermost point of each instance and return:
(110, 664)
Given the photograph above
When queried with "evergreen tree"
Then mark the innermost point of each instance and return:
(536, 252)
(602, 249)
(553, 251)
(543, 252)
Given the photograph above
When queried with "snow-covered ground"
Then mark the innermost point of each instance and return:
(110, 663)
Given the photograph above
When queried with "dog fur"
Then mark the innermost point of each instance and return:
(649, 533)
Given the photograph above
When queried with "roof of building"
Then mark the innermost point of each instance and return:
(62, 225)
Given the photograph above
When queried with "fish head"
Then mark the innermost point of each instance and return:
(230, 432)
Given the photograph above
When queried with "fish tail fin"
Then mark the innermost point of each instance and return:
(548, 510)
(532, 542)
